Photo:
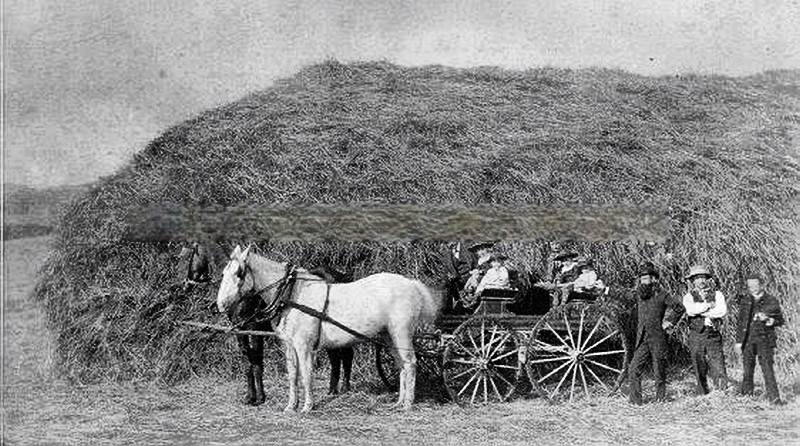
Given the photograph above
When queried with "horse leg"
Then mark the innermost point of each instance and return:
(335, 358)
(244, 347)
(408, 374)
(346, 357)
(291, 373)
(305, 355)
(258, 369)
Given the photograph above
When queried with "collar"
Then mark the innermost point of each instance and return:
(759, 296)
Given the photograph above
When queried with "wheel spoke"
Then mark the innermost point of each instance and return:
(600, 341)
(563, 378)
(596, 324)
(580, 326)
(555, 370)
(484, 349)
(550, 348)
(604, 366)
(494, 386)
(583, 379)
(500, 344)
(467, 383)
(463, 361)
(464, 349)
(595, 377)
(569, 330)
(572, 387)
(611, 352)
(471, 339)
(485, 391)
(506, 354)
(503, 366)
(491, 338)
(500, 375)
(540, 361)
(475, 390)
(460, 374)
(557, 335)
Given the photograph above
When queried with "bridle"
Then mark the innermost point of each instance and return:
(277, 303)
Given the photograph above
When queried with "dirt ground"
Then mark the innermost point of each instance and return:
(40, 408)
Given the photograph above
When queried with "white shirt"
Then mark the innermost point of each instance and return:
(587, 281)
(494, 278)
(718, 310)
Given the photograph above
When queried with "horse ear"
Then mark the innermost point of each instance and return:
(246, 252)
(237, 252)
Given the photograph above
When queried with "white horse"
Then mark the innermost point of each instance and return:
(382, 306)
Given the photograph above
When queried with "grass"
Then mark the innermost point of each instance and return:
(718, 153)
(41, 407)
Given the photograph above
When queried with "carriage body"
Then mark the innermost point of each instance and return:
(511, 347)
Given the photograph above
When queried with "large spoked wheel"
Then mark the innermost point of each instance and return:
(576, 350)
(482, 362)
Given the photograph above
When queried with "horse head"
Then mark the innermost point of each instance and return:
(248, 273)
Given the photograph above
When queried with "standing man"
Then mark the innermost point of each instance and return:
(458, 263)
(759, 314)
(705, 307)
(656, 313)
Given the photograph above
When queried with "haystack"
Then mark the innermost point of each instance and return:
(720, 154)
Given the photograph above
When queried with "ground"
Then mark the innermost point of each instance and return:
(40, 408)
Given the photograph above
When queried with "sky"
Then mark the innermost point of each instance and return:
(87, 83)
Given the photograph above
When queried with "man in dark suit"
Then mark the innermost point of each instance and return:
(759, 314)
(458, 263)
(656, 312)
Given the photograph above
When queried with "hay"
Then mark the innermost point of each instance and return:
(719, 153)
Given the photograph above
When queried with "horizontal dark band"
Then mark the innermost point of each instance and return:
(399, 223)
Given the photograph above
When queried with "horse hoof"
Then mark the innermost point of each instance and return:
(333, 392)
(345, 388)
(305, 409)
(289, 409)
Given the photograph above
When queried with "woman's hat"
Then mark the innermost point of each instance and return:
(482, 245)
(698, 270)
(564, 255)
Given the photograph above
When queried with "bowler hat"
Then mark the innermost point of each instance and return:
(698, 270)
(648, 269)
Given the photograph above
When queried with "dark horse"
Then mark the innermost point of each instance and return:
(245, 315)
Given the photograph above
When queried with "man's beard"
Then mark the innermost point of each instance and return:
(646, 291)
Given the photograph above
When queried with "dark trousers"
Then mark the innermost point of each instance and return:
(706, 350)
(648, 349)
(765, 353)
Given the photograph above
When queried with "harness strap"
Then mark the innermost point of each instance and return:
(324, 317)
(324, 312)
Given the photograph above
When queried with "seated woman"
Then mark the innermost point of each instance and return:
(496, 276)
(587, 283)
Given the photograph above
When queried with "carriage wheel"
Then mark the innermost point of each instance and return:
(481, 362)
(576, 349)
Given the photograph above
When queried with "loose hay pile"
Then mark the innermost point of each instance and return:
(719, 153)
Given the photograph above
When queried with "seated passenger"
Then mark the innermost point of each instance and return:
(483, 252)
(496, 276)
(587, 281)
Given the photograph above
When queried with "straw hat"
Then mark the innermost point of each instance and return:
(482, 245)
(698, 270)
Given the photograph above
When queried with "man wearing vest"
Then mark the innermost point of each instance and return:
(759, 314)
(656, 312)
(705, 308)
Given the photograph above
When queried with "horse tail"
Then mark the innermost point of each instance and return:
(430, 304)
